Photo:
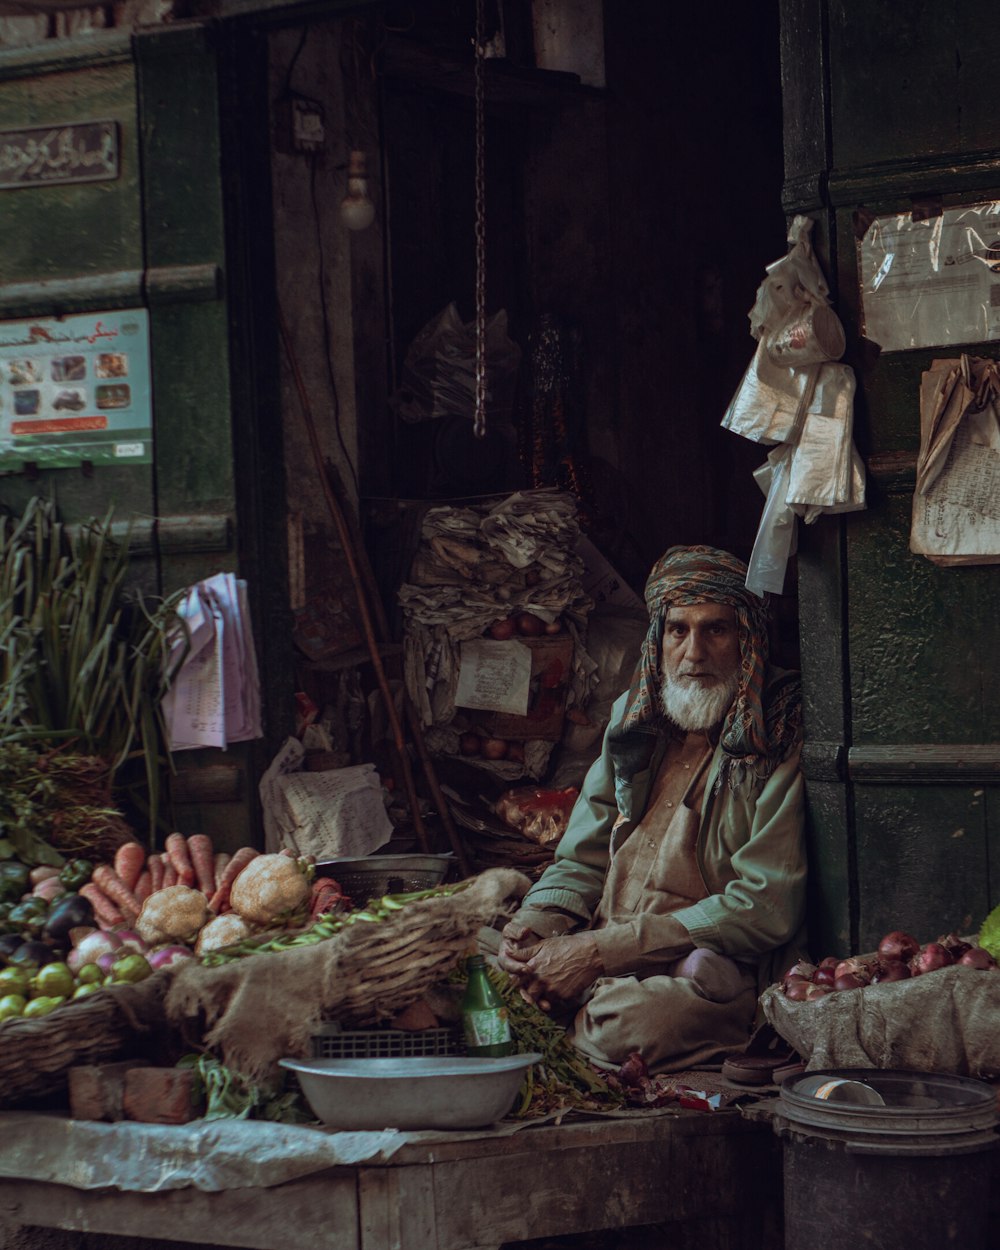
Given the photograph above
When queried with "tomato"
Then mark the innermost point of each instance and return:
(53, 981)
(42, 1006)
(132, 968)
(12, 1005)
(14, 981)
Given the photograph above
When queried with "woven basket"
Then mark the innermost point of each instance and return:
(36, 1055)
(386, 967)
(259, 1009)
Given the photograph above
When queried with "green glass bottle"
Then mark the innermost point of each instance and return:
(484, 1017)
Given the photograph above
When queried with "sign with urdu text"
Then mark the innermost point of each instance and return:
(85, 152)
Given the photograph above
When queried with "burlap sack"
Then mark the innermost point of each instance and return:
(265, 1007)
(944, 1021)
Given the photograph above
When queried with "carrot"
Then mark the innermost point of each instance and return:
(177, 853)
(202, 856)
(169, 874)
(220, 899)
(130, 859)
(144, 886)
(222, 859)
(110, 884)
(155, 865)
(106, 913)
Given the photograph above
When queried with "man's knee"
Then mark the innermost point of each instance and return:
(715, 977)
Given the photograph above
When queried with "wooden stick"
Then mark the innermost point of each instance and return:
(347, 546)
(413, 716)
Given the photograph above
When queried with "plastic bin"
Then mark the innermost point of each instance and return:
(334, 1042)
(914, 1172)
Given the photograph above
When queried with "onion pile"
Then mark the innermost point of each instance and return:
(899, 957)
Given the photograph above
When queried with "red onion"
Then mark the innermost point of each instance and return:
(802, 969)
(830, 961)
(898, 945)
(849, 981)
(891, 970)
(855, 966)
(94, 945)
(976, 957)
(955, 944)
(633, 1071)
(818, 991)
(797, 989)
(825, 975)
(930, 957)
(167, 955)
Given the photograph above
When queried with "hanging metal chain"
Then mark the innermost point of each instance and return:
(479, 416)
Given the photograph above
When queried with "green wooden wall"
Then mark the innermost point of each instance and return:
(889, 107)
(175, 233)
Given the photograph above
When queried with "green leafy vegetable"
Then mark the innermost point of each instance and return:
(229, 1096)
(989, 934)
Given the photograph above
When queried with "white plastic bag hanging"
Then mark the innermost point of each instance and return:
(793, 394)
(776, 533)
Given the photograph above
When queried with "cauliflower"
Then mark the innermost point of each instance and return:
(222, 931)
(173, 914)
(269, 887)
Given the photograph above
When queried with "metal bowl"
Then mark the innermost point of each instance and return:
(364, 877)
(427, 1093)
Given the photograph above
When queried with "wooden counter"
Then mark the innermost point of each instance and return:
(713, 1178)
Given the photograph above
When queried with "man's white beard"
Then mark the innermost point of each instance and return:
(694, 707)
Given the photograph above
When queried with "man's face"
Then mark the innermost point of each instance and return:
(701, 664)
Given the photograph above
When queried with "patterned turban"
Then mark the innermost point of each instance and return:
(685, 575)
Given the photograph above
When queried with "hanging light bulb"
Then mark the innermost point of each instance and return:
(357, 211)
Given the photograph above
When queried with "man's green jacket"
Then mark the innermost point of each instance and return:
(750, 851)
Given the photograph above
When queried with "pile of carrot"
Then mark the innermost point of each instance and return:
(118, 890)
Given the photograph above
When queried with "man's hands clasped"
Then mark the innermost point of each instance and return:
(549, 971)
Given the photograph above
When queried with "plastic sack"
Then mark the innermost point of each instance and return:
(541, 815)
(776, 533)
(439, 372)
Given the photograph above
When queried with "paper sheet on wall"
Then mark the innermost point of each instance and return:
(956, 505)
(214, 696)
(934, 280)
(494, 676)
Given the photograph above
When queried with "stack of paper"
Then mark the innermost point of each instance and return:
(214, 693)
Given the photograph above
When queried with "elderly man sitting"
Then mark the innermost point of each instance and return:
(681, 875)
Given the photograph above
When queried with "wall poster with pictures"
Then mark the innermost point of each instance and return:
(75, 390)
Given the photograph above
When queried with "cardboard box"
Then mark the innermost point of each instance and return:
(551, 664)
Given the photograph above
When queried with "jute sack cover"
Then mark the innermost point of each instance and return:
(944, 1021)
(262, 1008)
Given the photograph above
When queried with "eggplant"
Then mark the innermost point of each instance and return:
(9, 944)
(33, 953)
(69, 912)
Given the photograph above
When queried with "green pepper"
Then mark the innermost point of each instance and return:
(28, 917)
(76, 873)
(13, 880)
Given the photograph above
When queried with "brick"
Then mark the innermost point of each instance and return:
(160, 1095)
(96, 1091)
